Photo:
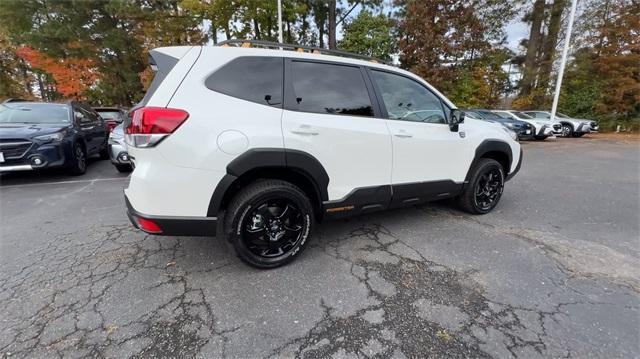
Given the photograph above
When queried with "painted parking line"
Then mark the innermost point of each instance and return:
(65, 182)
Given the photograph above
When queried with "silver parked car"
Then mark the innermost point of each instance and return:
(118, 150)
(571, 127)
(542, 129)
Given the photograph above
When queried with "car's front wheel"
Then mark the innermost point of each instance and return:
(567, 130)
(485, 187)
(269, 223)
(78, 165)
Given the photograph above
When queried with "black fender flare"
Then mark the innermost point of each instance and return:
(490, 146)
(573, 128)
(270, 158)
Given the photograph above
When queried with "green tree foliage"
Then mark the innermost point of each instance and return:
(12, 70)
(456, 46)
(602, 79)
(370, 35)
(112, 34)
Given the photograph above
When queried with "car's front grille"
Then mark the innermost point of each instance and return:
(14, 148)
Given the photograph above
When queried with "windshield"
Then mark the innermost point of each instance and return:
(110, 115)
(34, 113)
(522, 115)
(488, 115)
(504, 115)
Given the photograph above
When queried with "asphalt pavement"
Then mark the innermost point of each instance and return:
(552, 272)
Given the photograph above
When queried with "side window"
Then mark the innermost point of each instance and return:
(254, 78)
(408, 100)
(81, 115)
(331, 89)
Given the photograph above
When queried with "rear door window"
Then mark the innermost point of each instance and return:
(331, 89)
(253, 78)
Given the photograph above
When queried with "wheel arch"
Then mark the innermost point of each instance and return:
(494, 149)
(297, 167)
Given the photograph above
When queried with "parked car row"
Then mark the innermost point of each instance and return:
(536, 125)
(39, 135)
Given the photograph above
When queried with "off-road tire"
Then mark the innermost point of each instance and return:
(467, 200)
(248, 199)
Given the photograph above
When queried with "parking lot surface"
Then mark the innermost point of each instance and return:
(552, 272)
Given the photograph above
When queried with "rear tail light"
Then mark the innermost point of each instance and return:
(111, 125)
(149, 226)
(150, 125)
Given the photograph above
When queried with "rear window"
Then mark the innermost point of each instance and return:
(110, 115)
(254, 78)
(34, 113)
(328, 88)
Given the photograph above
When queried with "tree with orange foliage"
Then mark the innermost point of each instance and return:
(72, 76)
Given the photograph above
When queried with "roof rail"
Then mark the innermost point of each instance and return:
(297, 48)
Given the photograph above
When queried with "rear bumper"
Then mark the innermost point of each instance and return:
(174, 226)
(517, 169)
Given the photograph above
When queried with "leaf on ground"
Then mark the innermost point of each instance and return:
(443, 335)
(111, 329)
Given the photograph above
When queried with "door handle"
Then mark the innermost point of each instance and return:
(305, 130)
(403, 134)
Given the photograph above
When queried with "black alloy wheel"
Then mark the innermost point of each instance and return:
(485, 187)
(488, 189)
(269, 223)
(79, 160)
(273, 228)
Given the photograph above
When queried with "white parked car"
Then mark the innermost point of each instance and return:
(571, 127)
(277, 140)
(542, 128)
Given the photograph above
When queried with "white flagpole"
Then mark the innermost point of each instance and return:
(280, 21)
(565, 51)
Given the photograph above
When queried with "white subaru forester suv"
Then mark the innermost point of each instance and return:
(274, 140)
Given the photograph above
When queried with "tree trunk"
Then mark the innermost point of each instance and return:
(256, 29)
(530, 60)
(332, 24)
(550, 42)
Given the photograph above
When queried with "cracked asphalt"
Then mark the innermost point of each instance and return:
(553, 272)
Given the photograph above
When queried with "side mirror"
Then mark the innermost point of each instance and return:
(456, 118)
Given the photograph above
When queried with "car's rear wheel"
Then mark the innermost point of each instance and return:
(269, 223)
(104, 153)
(567, 130)
(124, 168)
(78, 165)
(485, 187)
